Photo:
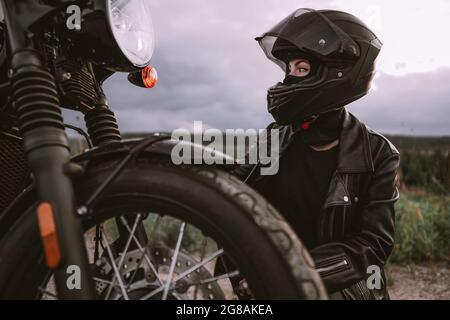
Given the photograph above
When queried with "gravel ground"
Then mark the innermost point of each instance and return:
(420, 282)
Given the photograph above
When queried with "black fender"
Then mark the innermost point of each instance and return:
(160, 148)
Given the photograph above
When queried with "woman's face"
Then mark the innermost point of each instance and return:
(299, 68)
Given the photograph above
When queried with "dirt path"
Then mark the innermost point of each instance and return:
(420, 282)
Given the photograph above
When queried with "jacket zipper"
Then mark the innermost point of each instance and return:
(338, 266)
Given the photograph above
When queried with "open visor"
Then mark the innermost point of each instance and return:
(310, 31)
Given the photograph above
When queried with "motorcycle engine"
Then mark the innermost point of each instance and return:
(76, 83)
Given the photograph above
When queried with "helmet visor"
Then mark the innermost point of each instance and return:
(310, 31)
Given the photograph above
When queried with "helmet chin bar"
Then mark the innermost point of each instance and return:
(330, 89)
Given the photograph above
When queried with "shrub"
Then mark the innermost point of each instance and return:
(427, 170)
(422, 228)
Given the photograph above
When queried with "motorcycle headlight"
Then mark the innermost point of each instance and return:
(132, 28)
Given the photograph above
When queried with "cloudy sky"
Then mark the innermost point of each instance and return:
(212, 70)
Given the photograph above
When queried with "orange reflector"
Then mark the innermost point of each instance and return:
(149, 77)
(47, 228)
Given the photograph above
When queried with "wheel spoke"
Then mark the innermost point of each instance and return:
(103, 281)
(230, 275)
(97, 238)
(114, 266)
(174, 261)
(48, 293)
(202, 256)
(124, 253)
(133, 275)
(185, 273)
(199, 265)
(143, 251)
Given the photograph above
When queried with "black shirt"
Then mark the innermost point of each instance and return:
(301, 186)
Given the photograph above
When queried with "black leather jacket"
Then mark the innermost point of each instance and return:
(355, 228)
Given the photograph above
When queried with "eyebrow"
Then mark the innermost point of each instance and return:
(300, 60)
(303, 61)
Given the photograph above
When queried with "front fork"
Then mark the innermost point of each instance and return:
(46, 145)
(37, 106)
(47, 149)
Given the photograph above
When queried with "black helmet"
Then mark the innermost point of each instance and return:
(346, 49)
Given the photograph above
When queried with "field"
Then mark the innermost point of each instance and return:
(420, 264)
(423, 227)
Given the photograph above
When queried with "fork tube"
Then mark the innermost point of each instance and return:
(47, 150)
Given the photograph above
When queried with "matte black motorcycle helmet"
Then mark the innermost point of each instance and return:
(344, 45)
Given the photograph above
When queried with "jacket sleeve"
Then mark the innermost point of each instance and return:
(343, 264)
(245, 171)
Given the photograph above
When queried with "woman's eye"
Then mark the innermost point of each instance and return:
(300, 68)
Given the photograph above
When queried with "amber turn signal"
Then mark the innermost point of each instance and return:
(47, 229)
(149, 77)
(144, 78)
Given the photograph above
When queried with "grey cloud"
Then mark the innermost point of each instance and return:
(413, 104)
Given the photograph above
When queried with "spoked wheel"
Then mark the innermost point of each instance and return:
(166, 232)
(176, 262)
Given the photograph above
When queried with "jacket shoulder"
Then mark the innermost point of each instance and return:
(273, 126)
(380, 142)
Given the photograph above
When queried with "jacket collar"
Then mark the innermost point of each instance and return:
(354, 151)
(354, 157)
(354, 147)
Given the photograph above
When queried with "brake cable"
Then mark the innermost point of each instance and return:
(133, 153)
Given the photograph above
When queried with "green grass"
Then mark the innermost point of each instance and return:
(164, 231)
(422, 228)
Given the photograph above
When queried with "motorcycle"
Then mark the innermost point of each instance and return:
(119, 221)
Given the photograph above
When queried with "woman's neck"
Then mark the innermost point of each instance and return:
(325, 147)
